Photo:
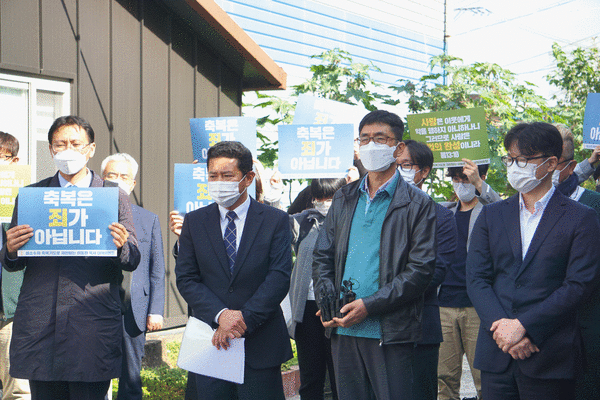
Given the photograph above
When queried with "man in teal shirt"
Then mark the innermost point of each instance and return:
(379, 234)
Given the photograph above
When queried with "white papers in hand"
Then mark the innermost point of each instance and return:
(197, 354)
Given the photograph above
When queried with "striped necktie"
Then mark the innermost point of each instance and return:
(230, 239)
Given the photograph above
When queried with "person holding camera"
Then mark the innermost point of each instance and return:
(380, 235)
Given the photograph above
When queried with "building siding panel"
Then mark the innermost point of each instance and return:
(19, 29)
(59, 47)
(94, 72)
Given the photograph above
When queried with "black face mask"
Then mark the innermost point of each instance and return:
(597, 188)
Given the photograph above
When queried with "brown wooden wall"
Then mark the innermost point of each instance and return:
(138, 73)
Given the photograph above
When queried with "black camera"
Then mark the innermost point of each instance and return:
(348, 296)
(330, 302)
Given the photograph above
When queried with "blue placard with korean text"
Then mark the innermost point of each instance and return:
(207, 132)
(591, 121)
(315, 151)
(191, 187)
(68, 221)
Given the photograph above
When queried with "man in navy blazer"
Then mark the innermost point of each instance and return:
(233, 270)
(144, 289)
(533, 259)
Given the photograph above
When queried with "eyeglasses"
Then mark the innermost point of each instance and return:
(406, 166)
(114, 176)
(381, 139)
(521, 160)
(62, 146)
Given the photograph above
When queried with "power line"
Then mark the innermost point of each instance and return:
(546, 52)
(517, 17)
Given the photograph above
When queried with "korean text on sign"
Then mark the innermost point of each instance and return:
(69, 221)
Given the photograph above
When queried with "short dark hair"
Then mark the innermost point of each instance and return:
(69, 120)
(420, 153)
(384, 117)
(9, 143)
(325, 188)
(535, 137)
(235, 150)
(458, 171)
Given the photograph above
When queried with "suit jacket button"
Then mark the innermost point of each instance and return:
(231, 289)
(519, 286)
(514, 310)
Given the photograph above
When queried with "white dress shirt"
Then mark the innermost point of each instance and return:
(241, 212)
(530, 221)
(83, 183)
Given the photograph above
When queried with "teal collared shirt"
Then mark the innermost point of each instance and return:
(362, 261)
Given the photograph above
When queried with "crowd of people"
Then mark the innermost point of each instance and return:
(388, 290)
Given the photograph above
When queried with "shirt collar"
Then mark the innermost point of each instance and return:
(83, 183)
(388, 186)
(539, 205)
(240, 210)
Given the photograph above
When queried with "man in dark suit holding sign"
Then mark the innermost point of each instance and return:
(533, 259)
(67, 325)
(233, 270)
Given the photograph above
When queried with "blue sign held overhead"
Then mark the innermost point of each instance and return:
(68, 221)
(591, 122)
(206, 132)
(191, 187)
(315, 151)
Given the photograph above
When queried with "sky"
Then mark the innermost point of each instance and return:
(518, 34)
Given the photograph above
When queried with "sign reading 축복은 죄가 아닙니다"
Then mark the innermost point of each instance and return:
(12, 177)
(315, 151)
(206, 132)
(591, 121)
(68, 221)
(452, 135)
(191, 187)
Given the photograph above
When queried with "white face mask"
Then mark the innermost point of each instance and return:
(377, 157)
(409, 176)
(123, 185)
(556, 174)
(523, 179)
(225, 193)
(69, 161)
(322, 206)
(464, 191)
(5, 162)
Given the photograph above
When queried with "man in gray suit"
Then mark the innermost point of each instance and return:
(144, 288)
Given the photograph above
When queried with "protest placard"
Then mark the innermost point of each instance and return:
(591, 121)
(68, 221)
(206, 132)
(12, 177)
(191, 187)
(452, 135)
(312, 110)
(315, 151)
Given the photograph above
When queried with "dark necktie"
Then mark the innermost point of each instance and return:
(229, 239)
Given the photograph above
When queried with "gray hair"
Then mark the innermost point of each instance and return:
(121, 157)
(568, 152)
